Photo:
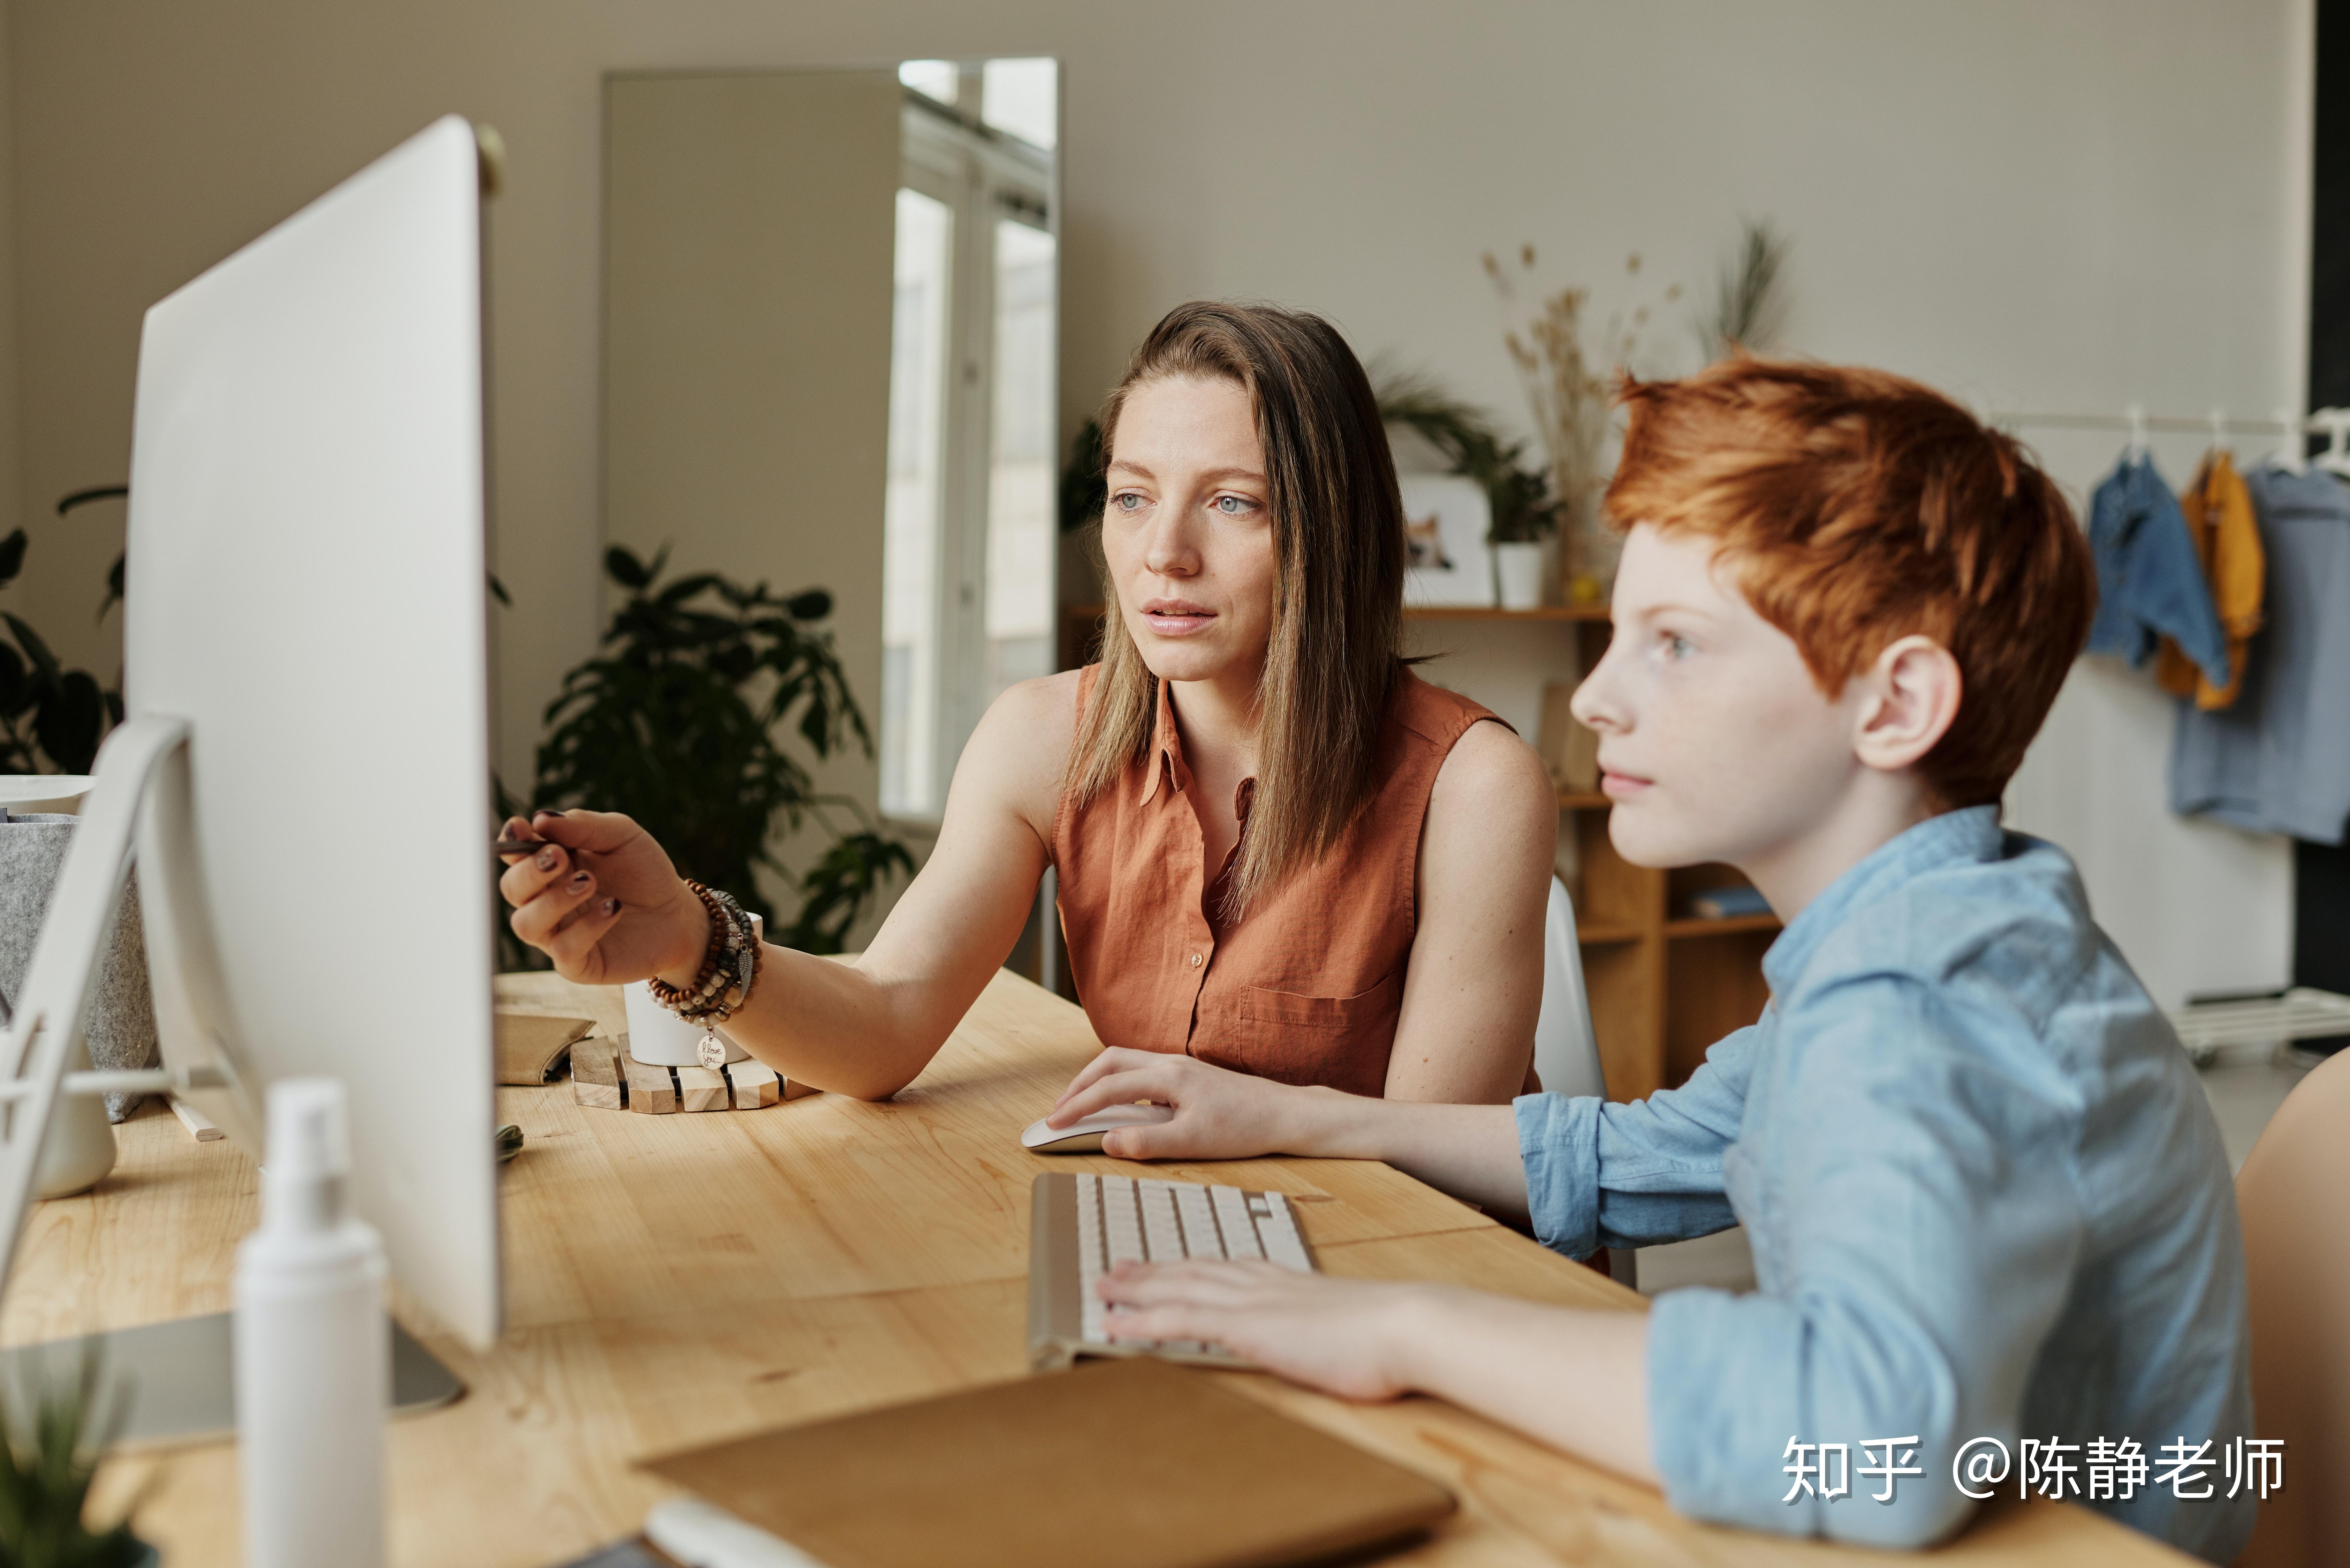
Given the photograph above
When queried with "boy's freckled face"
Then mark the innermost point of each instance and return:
(1715, 743)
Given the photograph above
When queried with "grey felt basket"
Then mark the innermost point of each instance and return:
(122, 1019)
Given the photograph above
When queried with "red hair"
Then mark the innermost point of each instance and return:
(1856, 508)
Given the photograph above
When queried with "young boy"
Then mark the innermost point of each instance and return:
(1984, 1191)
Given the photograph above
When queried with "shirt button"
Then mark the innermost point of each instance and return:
(1195, 961)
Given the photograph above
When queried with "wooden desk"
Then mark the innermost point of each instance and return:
(677, 1279)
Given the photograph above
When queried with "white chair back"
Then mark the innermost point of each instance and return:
(1566, 1053)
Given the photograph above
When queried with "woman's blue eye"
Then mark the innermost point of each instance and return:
(1676, 645)
(1231, 505)
(1126, 501)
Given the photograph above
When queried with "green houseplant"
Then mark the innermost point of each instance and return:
(47, 1467)
(49, 714)
(1519, 497)
(680, 721)
(1085, 488)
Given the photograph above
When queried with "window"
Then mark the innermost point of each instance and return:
(911, 518)
(1022, 99)
(939, 80)
(1021, 488)
(970, 528)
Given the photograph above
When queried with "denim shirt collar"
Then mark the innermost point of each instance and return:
(1970, 834)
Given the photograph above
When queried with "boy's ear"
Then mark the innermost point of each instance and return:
(1913, 692)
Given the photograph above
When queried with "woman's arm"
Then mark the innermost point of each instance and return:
(607, 905)
(1473, 987)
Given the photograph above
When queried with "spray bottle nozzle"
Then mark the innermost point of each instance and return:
(309, 1151)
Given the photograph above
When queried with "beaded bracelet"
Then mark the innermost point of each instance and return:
(728, 986)
(730, 965)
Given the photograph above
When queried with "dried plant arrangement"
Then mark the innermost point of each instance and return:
(1568, 387)
(1750, 296)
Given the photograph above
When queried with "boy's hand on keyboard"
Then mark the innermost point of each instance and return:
(1219, 1114)
(1348, 1337)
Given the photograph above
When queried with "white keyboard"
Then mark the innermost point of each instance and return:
(702, 1535)
(1084, 1226)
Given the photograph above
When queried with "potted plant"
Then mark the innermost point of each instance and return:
(680, 722)
(49, 714)
(1519, 529)
(1519, 498)
(52, 722)
(46, 1470)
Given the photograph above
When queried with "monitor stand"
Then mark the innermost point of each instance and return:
(182, 1372)
(181, 1377)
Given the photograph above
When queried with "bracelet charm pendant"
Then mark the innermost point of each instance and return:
(713, 1050)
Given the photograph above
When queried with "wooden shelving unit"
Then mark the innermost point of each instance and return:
(1664, 986)
(1487, 612)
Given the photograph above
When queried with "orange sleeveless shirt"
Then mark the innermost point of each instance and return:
(1304, 988)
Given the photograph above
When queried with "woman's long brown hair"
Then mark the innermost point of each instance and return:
(1338, 622)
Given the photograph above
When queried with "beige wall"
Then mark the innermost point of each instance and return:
(20, 598)
(747, 253)
(2067, 206)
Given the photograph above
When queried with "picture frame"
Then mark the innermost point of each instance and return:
(1446, 560)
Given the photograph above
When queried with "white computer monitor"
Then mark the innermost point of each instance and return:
(306, 595)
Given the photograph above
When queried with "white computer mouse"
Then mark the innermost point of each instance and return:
(1084, 1135)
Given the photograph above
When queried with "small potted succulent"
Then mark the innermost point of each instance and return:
(1519, 498)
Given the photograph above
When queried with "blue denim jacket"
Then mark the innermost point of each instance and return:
(1985, 1194)
(2150, 584)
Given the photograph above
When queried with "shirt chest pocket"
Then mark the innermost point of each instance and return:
(1343, 1041)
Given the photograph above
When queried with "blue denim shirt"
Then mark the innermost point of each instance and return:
(1985, 1194)
(2150, 582)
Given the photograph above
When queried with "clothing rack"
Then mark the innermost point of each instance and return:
(2333, 423)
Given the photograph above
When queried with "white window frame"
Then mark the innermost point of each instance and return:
(980, 175)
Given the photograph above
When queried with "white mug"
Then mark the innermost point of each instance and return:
(659, 1038)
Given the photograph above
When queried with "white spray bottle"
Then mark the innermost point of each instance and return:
(313, 1348)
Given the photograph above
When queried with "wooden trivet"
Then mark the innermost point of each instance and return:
(604, 1076)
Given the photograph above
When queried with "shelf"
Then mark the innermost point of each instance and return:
(1584, 799)
(1488, 612)
(1435, 612)
(1597, 933)
(1698, 927)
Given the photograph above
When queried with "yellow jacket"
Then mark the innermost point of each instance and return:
(2227, 535)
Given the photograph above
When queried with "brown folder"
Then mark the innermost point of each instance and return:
(1123, 1464)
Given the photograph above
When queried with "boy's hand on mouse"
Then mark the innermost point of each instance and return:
(1219, 1114)
(603, 899)
(1348, 1337)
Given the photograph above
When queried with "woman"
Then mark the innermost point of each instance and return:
(1278, 849)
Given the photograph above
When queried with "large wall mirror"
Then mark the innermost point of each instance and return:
(831, 313)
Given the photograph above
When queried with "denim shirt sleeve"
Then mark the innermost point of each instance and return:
(1600, 1174)
(1923, 1266)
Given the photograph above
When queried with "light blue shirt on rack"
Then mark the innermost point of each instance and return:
(1985, 1196)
